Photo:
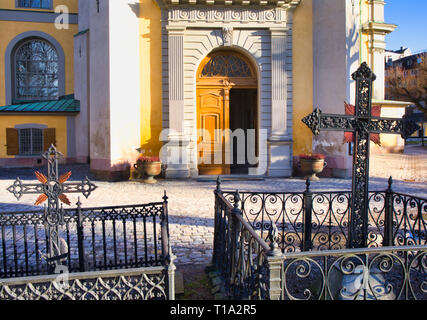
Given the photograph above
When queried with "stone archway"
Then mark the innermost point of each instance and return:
(227, 113)
(262, 34)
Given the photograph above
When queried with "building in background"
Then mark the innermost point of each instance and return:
(393, 55)
(406, 80)
(37, 106)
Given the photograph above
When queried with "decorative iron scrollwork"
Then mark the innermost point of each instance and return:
(52, 188)
(363, 124)
(364, 73)
(226, 66)
(313, 121)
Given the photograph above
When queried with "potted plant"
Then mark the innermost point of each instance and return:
(148, 166)
(311, 164)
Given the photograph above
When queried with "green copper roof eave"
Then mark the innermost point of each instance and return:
(65, 104)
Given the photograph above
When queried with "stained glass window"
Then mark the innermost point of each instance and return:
(226, 66)
(38, 4)
(36, 71)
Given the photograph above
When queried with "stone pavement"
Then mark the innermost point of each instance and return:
(191, 202)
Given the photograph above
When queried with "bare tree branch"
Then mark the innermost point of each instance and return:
(409, 84)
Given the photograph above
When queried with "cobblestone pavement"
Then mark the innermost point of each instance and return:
(191, 202)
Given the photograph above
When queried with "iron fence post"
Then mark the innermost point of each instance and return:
(164, 228)
(171, 275)
(388, 219)
(80, 237)
(308, 206)
(275, 259)
(235, 232)
(217, 215)
(168, 256)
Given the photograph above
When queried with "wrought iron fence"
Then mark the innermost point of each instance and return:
(253, 266)
(112, 253)
(99, 238)
(245, 261)
(409, 219)
(321, 220)
(386, 273)
(125, 284)
(117, 252)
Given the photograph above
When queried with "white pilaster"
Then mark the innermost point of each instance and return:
(175, 152)
(279, 128)
(280, 144)
(377, 29)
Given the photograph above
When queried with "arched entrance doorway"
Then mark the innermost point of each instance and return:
(227, 117)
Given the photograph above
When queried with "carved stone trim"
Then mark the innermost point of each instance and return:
(287, 4)
(230, 15)
(227, 36)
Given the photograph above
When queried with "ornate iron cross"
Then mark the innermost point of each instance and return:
(362, 123)
(53, 189)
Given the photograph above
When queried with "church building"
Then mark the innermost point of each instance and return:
(210, 86)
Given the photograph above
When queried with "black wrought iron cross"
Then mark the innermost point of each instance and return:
(362, 123)
(53, 189)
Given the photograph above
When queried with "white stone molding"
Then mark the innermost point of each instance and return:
(377, 29)
(287, 4)
(177, 143)
(280, 139)
(176, 76)
(227, 36)
(244, 17)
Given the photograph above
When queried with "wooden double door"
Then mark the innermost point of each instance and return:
(221, 110)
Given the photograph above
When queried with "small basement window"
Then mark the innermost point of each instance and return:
(25, 140)
(30, 141)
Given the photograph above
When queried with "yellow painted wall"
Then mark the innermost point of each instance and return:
(57, 122)
(151, 77)
(71, 4)
(302, 60)
(10, 29)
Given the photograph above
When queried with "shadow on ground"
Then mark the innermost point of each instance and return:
(193, 283)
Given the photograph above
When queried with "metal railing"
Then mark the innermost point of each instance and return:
(245, 261)
(254, 264)
(98, 238)
(116, 252)
(386, 273)
(150, 283)
(320, 220)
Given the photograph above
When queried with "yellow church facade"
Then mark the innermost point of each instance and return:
(22, 27)
(190, 81)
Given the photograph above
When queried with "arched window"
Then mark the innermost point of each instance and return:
(36, 71)
(226, 66)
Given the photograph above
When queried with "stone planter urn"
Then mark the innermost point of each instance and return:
(148, 167)
(310, 165)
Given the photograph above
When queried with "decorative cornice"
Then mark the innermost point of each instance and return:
(286, 4)
(279, 31)
(378, 27)
(214, 15)
(175, 29)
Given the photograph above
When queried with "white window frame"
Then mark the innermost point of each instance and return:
(30, 126)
